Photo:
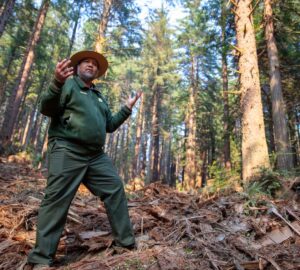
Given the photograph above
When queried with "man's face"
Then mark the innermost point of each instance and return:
(87, 70)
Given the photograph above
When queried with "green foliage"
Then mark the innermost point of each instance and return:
(220, 177)
(266, 184)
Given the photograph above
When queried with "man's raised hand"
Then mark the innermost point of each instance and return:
(63, 70)
(132, 100)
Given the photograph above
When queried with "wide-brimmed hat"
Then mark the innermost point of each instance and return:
(101, 60)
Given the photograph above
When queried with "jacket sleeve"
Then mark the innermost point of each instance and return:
(116, 120)
(50, 103)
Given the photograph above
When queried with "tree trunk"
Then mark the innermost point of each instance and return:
(184, 155)
(5, 12)
(226, 141)
(115, 146)
(269, 121)
(38, 135)
(44, 145)
(169, 160)
(34, 112)
(123, 151)
(27, 128)
(8, 71)
(18, 92)
(143, 163)
(191, 145)
(36, 130)
(125, 163)
(282, 145)
(204, 168)
(100, 45)
(109, 144)
(76, 20)
(161, 162)
(254, 146)
(140, 120)
(294, 136)
(155, 134)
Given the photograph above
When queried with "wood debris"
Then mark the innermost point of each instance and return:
(173, 230)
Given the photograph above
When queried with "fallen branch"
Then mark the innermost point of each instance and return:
(275, 211)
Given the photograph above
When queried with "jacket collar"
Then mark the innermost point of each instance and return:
(82, 85)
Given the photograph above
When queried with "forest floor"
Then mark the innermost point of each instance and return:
(174, 230)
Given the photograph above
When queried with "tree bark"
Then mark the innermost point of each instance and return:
(77, 17)
(100, 45)
(226, 141)
(18, 92)
(254, 146)
(34, 112)
(269, 121)
(144, 142)
(5, 12)
(282, 145)
(191, 144)
(155, 134)
(139, 129)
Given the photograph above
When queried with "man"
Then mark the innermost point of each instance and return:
(80, 118)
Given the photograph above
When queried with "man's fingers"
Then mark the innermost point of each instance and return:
(63, 70)
(66, 63)
(67, 70)
(62, 65)
(69, 74)
(138, 95)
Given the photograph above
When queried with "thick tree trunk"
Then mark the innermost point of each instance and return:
(18, 92)
(254, 146)
(100, 45)
(5, 12)
(282, 145)
(191, 144)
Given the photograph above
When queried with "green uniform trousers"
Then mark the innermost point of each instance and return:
(69, 166)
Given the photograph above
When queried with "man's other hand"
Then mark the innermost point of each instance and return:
(63, 70)
(132, 100)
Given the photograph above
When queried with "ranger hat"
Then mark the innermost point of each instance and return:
(101, 60)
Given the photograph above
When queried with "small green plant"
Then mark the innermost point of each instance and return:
(266, 183)
(263, 187)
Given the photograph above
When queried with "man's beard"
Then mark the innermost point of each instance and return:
(86, 76)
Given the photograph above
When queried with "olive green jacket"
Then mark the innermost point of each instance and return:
(79, 114)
